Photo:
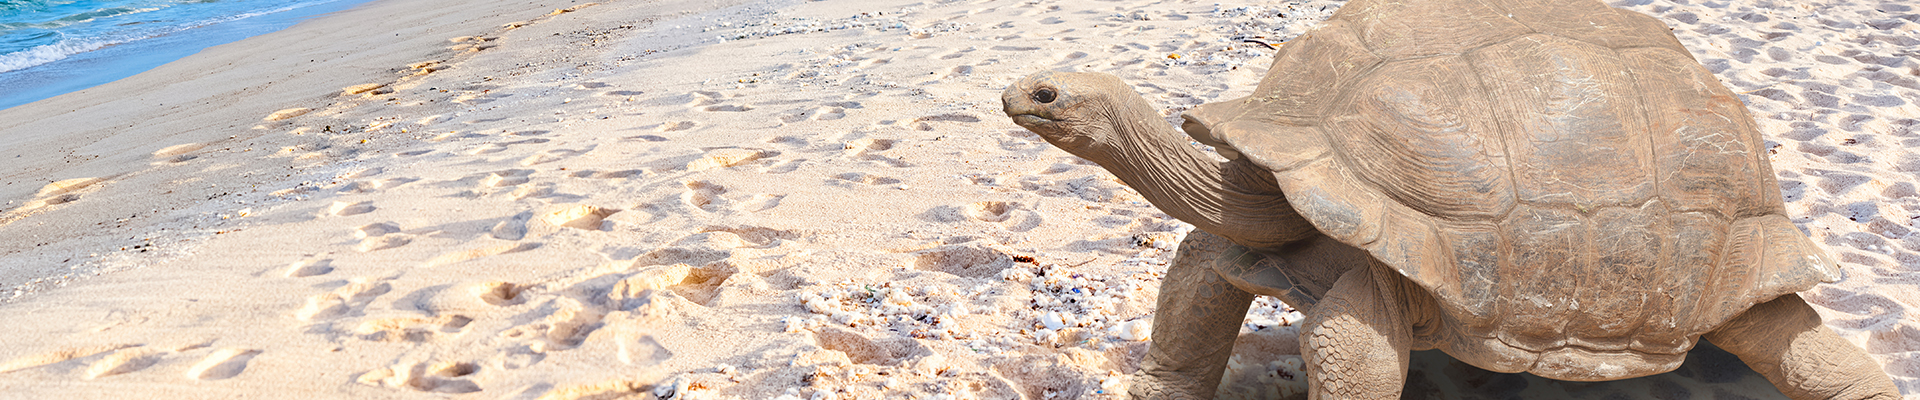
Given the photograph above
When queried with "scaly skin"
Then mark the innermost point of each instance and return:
(1197, 318)
(1814, 363)
(1356, 342)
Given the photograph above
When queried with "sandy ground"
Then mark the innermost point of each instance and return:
(737, 199)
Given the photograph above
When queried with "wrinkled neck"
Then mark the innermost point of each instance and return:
(1236, 199)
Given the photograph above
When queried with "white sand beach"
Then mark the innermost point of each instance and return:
(755, 199)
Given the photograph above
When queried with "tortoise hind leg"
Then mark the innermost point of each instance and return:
(1198, 316)
(1356, 342)
(1784, 341)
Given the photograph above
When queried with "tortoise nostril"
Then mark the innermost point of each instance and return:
(1043, 96)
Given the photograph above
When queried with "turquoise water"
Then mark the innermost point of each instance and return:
(51, 47)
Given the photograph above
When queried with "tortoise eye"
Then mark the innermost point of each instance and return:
(1043, 96)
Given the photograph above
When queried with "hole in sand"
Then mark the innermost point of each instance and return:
(500, 293)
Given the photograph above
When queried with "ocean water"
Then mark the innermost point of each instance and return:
(51, 47)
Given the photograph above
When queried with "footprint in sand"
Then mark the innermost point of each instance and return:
(1071, 58)
(793, 142)
(512, 228)
(499, 293)
(895, 350)
(862, 178)
(61, 192)
(552, 155)
(990, 211)
(705, 196)
(491, 148)
(286, 114)
(785, 166)
(621, 174)
(369, 186)
(374, 230)
(1022, 140)
(380, 236)
(823, 113)
(585, 217)
(1059, 168)
(952, 54)
(675, 126)
(763, 202)
(441, 377)
(370, 89)
(745, 236)
(1090, 188)
(306, 268)
(864, 149)
(641, 350)
(410, 329)
(642, 293)
(124, 361)
(56, 356)
(342, 301)
(565, 327)
(727, 157)
(927, 123)
(366, 173)
(540, 190)
(700, 98)
(960, 71)
(1014, 216)
(505, 178)
(222, 364)
(178, 153)
(343, 208)
(486, 251)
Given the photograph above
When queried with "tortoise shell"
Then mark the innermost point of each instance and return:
(1581, 198)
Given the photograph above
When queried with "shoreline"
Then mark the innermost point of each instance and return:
(165, 106)
(115, 62)
(748, 199)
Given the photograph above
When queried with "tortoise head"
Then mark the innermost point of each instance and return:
(1077, 112)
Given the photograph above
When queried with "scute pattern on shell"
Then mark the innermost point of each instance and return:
(1563, 177)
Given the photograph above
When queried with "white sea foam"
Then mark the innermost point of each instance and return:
(78, 43)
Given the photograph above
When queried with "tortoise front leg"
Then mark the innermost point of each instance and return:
(1196, 320)
(1784, 341)
(1356, 341)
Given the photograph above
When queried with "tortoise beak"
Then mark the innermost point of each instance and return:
(1029, 120)
(1021, 107)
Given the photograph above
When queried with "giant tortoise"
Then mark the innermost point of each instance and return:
(1548, 186)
